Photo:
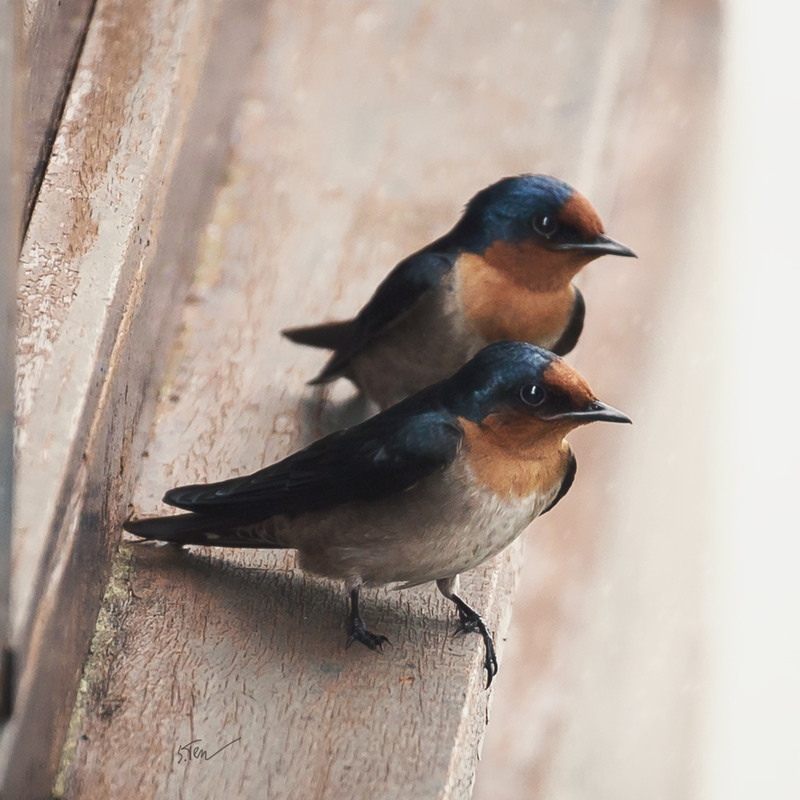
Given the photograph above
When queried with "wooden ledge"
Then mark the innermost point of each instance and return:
(104, 262)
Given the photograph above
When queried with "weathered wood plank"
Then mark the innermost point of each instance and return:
(53, 34)
(365, 130)
(104, 262)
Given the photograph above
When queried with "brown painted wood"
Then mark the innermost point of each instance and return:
(364, 131)
(105, 260)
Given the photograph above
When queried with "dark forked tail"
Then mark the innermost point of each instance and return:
(203, 529)
(330, 335)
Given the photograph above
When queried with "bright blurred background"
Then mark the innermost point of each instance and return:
(750, 745)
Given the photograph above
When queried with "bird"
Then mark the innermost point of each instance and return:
(421, 492)
(504, 272)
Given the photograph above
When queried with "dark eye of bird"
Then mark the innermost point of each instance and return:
(545, 225)
(532, 394)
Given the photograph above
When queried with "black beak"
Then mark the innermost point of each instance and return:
(594, 412)
(600, 246)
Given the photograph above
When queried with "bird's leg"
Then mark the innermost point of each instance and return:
(356, 631)
(470, 622)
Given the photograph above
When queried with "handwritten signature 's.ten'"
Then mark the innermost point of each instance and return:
(193, 752)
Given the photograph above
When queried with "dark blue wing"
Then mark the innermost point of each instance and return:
(388, 453)
(398, 292)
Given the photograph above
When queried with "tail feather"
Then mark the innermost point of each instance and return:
(203, 529)
(329, 373)
(329, 335)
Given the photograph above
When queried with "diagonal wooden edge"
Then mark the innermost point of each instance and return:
(52, 38)
(106, 257)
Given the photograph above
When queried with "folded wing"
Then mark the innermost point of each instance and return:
(397, 294)
(385, 454)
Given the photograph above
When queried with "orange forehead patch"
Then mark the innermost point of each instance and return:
(561, 376)
(579, 213)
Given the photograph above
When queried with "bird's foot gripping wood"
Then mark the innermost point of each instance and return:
(469, 621)
(356, 630)
(358, 633)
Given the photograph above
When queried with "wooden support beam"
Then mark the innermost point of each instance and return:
(106, 260)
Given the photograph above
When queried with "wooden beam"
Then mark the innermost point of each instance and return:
(106, 259)
(53, 35)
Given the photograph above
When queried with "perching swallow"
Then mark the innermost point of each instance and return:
(426, 490)
(504, 272)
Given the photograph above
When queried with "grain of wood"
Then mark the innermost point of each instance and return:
(365, 130)
(90, 320)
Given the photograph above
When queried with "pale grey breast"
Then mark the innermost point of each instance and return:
(441, 526)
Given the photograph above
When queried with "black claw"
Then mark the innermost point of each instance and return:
(469, 621)
(489, 661)
(358, 633)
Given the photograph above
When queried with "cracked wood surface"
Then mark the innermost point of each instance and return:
(364, 131)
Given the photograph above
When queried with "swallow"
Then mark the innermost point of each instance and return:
(423, 491)
(504, 272)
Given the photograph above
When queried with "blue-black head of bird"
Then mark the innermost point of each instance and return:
(507, 383)
(515, 405)
(534, 220)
